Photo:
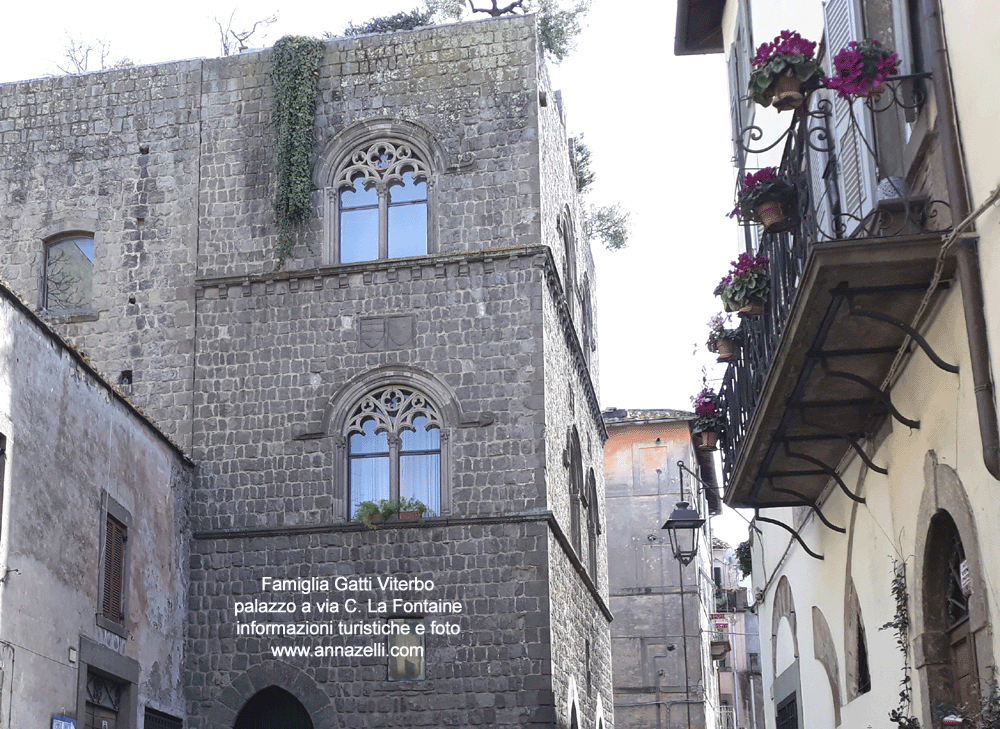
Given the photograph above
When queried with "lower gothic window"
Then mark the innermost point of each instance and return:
(394, 448)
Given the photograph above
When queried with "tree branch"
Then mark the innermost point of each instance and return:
(496, 12)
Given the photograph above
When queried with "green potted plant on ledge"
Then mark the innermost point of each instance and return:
(722, 340)
(373, 514)
(784, 71)
(709, 422)
(767, 198)
(747, 286)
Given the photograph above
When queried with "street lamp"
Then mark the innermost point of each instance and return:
(683, 527)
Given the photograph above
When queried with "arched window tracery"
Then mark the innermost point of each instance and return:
(394, 447)
(379, 201)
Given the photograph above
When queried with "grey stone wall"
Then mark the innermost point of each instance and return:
(115, 154)
(494, 673)
(172, 169)
(274, 353)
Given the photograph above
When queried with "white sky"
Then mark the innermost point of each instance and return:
(657, 125)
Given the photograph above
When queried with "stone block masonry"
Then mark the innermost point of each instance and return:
(171, 168)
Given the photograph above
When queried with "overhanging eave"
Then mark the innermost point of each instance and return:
(699, 27)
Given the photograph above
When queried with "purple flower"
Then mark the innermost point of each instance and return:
(787, 43)
(860, 68)
(751, 181)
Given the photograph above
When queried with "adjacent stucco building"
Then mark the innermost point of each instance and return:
(430, 337)
(862, 411)
(662, 647)
(94, 544)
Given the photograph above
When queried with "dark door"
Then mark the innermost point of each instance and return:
(273, 708)
(963, 665)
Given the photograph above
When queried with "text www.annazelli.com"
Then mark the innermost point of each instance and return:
(346, 651)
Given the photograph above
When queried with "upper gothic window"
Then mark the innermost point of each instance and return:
(394, 448)
(380, 196)
(69, 275)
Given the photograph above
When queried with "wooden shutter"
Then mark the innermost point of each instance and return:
(856, 162)
(114, 570)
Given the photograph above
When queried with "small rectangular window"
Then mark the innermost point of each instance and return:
(114, 566)
(114, 570)
(69, 275)
(406, 651)
(788, 713)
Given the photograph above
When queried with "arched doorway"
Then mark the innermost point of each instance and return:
(273, 708)
(947, 587)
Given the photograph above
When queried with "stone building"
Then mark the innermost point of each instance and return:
(862, 415)
(431, 337)
(94, 543)
(661, 645)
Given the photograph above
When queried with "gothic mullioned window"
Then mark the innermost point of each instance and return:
(394, 448)
(380, 198)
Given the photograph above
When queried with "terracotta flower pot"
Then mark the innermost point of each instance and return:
(772, 217)
(709, 440)
(409, 515)
(787, 93)
(754, 308)
(727, 350)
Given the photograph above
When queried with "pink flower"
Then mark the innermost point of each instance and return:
(860, 68)
(787, 43)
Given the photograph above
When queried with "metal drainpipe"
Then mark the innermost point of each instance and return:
(966, 249)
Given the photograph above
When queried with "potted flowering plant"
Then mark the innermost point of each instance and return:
(722, 340)
(709, 422)
(373, 514)
(862, 68)
(766, 198)
(747, 285)
(783, 70)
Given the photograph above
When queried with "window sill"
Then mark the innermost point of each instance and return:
(73, 318)
(112, 626)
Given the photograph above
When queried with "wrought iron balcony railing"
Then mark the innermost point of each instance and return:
(861, 172)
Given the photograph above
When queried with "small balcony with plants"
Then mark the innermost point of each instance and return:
(847, 249)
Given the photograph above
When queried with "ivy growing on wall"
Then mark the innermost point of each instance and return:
(900, 625)
(295, 72)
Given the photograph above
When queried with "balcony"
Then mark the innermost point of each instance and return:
(850, 282)
(727, 717)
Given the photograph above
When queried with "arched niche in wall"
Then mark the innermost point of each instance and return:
(953, 647)
(857, 677)
(856, 670)
(273, 707)
(785, 655)
(825, 652)
(784, 608)
(273, 680)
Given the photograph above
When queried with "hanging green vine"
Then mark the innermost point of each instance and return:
(900, 625)
(295, 71)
